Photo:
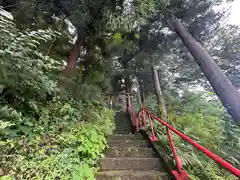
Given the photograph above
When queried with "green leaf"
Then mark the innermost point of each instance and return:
(117, 38)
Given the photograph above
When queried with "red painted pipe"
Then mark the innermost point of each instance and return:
(213, 156)
(144, 118)
(139, 119)
(152, 128)
(177, 159)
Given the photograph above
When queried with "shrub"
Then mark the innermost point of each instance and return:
(45, 133)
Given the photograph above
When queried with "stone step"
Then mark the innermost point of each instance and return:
(127, 122)
(122, 131)
(127, 143)
(141, 164)
(122, 127)
(132, 175)
(125, 137)
(122, 121)
(130, 152)
(122, 124)
(116, 131)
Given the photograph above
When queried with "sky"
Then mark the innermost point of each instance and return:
(234, 10)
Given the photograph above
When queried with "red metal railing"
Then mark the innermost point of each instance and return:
(139, 121)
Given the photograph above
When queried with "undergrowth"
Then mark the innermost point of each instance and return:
(71, 153)
(51, 125)
(200, 116)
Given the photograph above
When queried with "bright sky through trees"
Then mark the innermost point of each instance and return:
(235, 12)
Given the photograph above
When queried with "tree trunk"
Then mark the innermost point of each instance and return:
(139, 99)
(128, 89)
(74, 54)
(158, 92)
(227, 93)
(141, 87)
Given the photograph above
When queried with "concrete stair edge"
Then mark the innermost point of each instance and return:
(132, 175)
(134, 152)
(109, 164)
(125, 137)
(127, 143)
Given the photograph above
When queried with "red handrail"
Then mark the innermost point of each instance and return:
(181, 174)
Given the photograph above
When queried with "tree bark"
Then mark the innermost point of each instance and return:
(74, 54)
(139, 99)
(143, 91)
(143, 96)
(128, 89)
(158, 92)
(227, 93)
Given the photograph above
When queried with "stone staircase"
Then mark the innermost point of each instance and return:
(129, 156)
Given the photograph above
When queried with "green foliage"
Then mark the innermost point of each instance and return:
(70, 154)
(200, 116)
(117, 38)
(48, 130)
(27, 78)
(148, 102)
(131, 16)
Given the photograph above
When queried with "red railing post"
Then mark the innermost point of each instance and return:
(140, 119)
(153, 138)
(177, 159)
(144, 118)
(137, 123)
(134, 122)
(180, 174)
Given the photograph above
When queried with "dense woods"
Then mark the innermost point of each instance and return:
(59, 59)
